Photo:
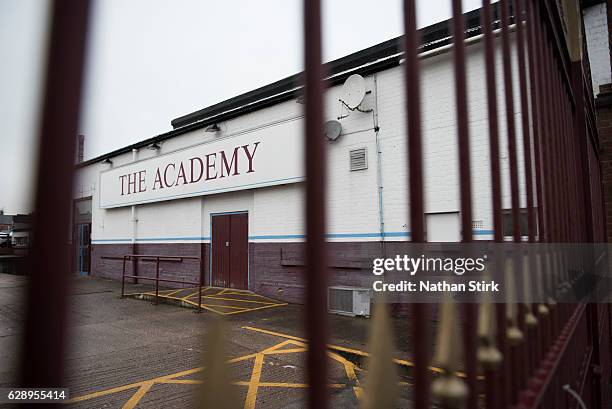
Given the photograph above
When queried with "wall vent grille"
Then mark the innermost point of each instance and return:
(358, 159)
(477, 224)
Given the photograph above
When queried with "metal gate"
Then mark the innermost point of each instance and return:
(570, 346)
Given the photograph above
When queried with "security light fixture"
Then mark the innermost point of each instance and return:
(107, 161)
(155, 146)
(212, 128)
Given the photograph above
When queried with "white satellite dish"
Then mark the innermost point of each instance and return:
(353, 91)
(332, 129)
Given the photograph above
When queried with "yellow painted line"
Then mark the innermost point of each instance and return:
(189, 296)
(105, 392)
(130, 404)
(235, 290)
(227, 306)
(182, 381)
(214, 298)
(161, 379)
(257, 308)
(194, 304)
(262, 297)
(287, 351)
(253, 384)
(251, 397)
(349, 367)
(235, 299)
(345, 349)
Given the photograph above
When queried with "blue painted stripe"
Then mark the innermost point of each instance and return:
(482, 232)
(278, 237)
(154, 239)
(288, 236)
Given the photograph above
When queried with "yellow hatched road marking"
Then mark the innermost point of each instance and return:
(297, 345)
(256, 308)
(130, 404)
(345, 349)
(251, 398)
(236, 299)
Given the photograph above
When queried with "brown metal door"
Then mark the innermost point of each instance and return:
(239, 251)
(230, 250)
(220, 250)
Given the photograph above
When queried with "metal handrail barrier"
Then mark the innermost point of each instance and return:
(157, 280)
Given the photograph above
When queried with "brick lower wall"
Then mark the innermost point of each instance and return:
(275, 269)
(107, 261)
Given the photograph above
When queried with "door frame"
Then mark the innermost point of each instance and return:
(210, 261)
(75, 223)
(77, 245)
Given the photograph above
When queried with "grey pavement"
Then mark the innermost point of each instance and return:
(116, 342)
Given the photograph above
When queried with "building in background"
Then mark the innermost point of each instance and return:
(598, 24)
(21, 231)
(6, 221)
(226, 183)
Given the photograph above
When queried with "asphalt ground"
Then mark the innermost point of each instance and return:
(127, 353)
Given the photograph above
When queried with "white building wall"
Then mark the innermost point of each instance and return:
(438, 109)
(597, 36)
(276, 213)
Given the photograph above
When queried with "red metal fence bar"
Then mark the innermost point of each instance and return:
(463, 143)
(45, 333)
(420, 311)
(495, 378)
(158, 258)
(316, 252)
(531, 344)
(525, 126)
(552, 95)
(517, 353)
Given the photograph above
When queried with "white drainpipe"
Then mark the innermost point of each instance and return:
(134, 219)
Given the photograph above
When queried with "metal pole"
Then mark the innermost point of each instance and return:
(316, 253)
(200, 289)
(496, 391)
(420, 341)
(123, 279)
(45, 329)
(526, 131)
(463, 142)
(156, 280)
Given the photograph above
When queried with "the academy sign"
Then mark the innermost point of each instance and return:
(265, 157)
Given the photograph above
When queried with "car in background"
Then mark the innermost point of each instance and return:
(5, 239)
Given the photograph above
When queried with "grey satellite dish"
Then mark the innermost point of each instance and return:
(332, 129)
(353, 91)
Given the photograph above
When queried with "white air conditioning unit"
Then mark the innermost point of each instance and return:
(353, 301)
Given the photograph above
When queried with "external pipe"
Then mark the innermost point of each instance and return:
(133, 221)
(379, 178)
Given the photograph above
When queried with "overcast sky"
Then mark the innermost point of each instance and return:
(153, 60)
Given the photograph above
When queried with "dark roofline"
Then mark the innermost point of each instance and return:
(590, 3)
(367, 61)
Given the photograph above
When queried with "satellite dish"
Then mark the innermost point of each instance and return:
(353, 91)
(332, 129)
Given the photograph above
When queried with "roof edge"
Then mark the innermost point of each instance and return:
(370, 60)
